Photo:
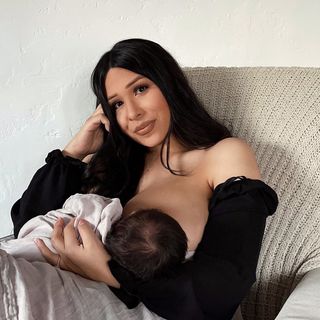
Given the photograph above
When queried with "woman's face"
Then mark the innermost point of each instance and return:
(141, 109)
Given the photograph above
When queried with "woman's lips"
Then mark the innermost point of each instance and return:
(146, 129)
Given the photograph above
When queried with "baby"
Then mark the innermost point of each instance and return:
(147, 242)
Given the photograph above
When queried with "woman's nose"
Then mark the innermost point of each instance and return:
(134, 110)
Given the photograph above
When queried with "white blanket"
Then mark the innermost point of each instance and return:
(39, 291)
(31, 289)
(99, 211)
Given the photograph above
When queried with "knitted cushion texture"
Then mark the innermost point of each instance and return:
(277, 111)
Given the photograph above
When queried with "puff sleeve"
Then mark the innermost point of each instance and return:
(223, 269)
(51, 185)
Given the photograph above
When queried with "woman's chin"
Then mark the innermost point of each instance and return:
(149, 141)
(150, 144)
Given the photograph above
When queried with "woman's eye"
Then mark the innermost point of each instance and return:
(138, 89)
(141, 89)
(116, 105)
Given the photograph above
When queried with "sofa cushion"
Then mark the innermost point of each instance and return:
(304, 301)
(277, 111)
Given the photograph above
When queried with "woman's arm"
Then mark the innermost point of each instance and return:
(230, 157)
(224, 265)
(61, 176)
(214, 283)
(52, 184)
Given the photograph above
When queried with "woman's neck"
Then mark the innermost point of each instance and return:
(175, 149)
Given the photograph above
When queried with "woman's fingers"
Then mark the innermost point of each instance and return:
(57, 238)
(89, 260)
(50, 257)
(100, 115)
(57, 260)
(58, 228)
(90, 137)
(86, 233)
(93, 123)
(99, 109)
(105, 122)
(70, 237)
(99, 118)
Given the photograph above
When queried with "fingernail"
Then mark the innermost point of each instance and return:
(81, 222)
(36, 241)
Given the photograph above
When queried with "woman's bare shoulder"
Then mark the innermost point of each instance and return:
(228, 158)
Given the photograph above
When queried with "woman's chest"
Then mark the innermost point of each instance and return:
(185, 198)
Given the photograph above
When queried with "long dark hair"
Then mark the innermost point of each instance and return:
(116, 168)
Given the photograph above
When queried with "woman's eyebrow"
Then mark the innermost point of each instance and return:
(128, 85)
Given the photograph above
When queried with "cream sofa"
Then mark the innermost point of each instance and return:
(277, 111)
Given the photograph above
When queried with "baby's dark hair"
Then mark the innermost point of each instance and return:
(147, 243)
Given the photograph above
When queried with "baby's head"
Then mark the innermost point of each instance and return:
(147, 243)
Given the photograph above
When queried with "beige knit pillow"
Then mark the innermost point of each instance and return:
(277, 111)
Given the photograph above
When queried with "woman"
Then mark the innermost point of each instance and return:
(154, 145)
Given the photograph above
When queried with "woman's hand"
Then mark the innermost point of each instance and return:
(89, 259)
(90, 137)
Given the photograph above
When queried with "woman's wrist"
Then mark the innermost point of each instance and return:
(67, 153)
(105, 275)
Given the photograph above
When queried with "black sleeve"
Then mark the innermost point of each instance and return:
(52, 184)
(223, 269)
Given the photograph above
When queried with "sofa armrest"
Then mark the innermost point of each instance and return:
(304, 301)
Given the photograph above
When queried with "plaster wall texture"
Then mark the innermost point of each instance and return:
(49, 48)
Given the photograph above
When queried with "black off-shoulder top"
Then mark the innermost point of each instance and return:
(223, 268)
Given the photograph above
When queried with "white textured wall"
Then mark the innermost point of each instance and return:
(49, 47)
